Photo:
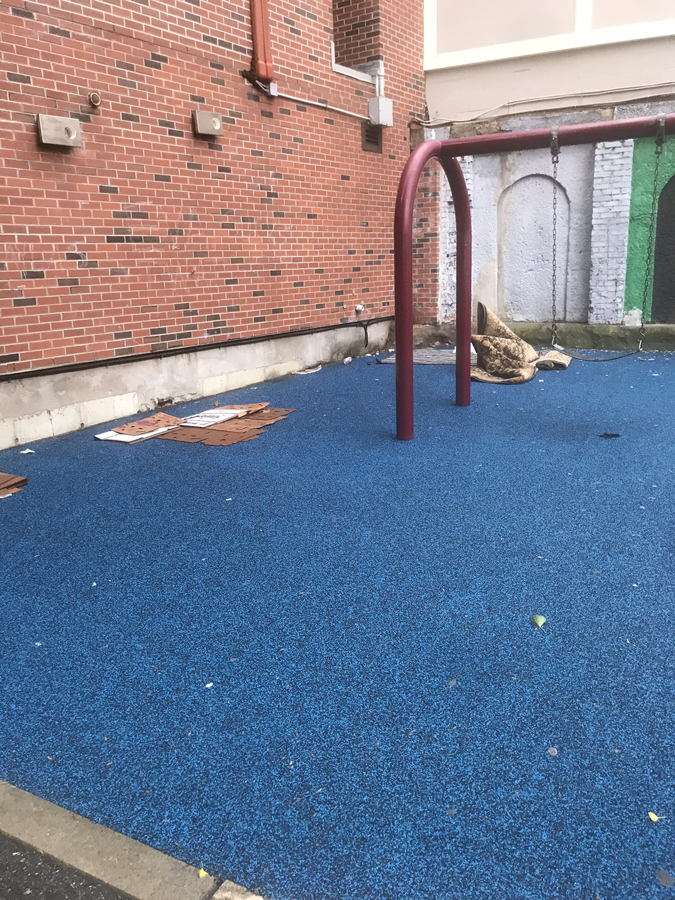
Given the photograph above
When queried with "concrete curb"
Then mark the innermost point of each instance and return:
(118, 861)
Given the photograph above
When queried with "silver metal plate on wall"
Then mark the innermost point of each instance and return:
(207, 123)
(58, 131)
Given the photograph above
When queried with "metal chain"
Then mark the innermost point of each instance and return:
(658, 150)
(555, 158)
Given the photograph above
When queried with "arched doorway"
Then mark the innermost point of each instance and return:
(525, 250)
(663, 297)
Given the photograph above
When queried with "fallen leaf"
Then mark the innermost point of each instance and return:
(665, 878)
(654, 817)
(203, 873)
(537, 621)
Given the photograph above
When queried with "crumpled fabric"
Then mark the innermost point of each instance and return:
(503, 357)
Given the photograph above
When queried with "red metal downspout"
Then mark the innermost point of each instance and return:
(446, 152)
(261, 64)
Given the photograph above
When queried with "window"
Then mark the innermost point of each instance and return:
(356, 34)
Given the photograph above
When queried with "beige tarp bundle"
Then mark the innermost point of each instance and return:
(503, 357)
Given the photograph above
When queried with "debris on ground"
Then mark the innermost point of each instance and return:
(665, 878)
(11, 484)
(538, 621)
(141, 430)
(219, 427)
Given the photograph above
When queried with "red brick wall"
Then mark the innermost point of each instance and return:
(148, 238)
(356, 31)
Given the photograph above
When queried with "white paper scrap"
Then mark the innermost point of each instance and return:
(132, 438)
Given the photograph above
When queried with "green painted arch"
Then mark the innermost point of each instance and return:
(642, 185)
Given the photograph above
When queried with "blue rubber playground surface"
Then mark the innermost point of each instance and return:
(306, 662)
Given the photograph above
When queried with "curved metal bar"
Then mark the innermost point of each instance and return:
(460, 196)
(403, 280)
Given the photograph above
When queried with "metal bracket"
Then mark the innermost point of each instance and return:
(660, 129)
(555, 144)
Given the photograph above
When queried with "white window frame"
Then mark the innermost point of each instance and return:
(369, 72)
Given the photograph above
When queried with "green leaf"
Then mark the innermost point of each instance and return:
(537, 621)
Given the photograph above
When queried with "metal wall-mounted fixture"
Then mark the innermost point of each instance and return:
(381, 111)
(94, 99)
(207, 123)
(58, 131)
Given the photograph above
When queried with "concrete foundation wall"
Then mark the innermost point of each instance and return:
(47, 405)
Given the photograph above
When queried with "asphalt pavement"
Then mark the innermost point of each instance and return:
(24, 872)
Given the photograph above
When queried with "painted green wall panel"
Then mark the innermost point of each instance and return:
(640, 214)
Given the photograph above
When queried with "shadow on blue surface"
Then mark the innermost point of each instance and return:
(381, 711)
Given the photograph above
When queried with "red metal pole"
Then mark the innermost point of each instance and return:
(403, 284)
(592, 133)
(460, 196)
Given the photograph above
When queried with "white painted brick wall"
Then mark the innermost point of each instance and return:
(609, 238)
(448, 247)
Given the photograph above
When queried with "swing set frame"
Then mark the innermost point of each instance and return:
(447, 153)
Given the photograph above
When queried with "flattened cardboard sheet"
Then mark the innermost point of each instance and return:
(209, 417)
(235, 426)
(247, 407)
(184, 434)
(9, 482)
(270, 416)
(151, 423)
(222, 439)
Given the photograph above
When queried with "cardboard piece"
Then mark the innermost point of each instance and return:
(184, 434)
(270, 416)
(223, 439)
(247, 407)
(219, 427)
(151, 423)
(235, 426)
(12, 482)
(212, 416)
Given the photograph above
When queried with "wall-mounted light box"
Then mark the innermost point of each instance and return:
(59, 131)
(208, 124)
